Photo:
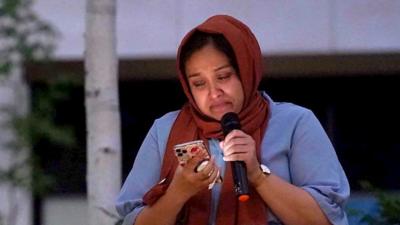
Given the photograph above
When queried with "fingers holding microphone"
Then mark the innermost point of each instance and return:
(238, 146)
(230, 124)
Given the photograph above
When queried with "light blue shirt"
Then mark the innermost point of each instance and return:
(295, 147)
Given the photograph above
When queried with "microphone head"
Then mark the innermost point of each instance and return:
(230, 121)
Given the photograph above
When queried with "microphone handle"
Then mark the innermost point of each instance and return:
(240, 181)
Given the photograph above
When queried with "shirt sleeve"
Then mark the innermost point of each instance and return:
(145, 172)
(314, 166)
(143, 175)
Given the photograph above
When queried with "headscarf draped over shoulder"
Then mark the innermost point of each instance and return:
(191, 125)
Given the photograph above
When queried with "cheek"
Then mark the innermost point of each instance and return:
(240, 97)
(198, 99)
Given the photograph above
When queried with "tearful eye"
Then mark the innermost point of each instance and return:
(198, 83)
(225, 76)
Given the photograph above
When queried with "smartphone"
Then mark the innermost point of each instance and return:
(187, 150)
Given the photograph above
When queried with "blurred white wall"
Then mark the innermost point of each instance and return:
(154, 28)
(65, 210)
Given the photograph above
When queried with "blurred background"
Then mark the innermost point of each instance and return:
(339, 58)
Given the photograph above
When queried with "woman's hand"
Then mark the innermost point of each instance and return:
(239, 146)
(188, 183)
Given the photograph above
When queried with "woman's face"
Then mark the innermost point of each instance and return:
(213, 82)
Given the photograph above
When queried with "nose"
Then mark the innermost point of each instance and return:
(215, 91)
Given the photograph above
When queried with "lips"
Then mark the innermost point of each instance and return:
(221, 106)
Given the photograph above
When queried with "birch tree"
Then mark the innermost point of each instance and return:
(15, 199)
(23, 37)
(102, 112)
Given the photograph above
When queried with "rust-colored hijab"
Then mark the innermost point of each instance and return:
(191, 124)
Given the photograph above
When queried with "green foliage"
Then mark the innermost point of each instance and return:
(389, 207)
(39, 125)
(23, 35)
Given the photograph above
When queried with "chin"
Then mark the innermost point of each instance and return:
(218, 116)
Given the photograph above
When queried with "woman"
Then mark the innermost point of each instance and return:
(219, 67)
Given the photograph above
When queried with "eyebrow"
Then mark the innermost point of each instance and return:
(218, 68)
(223, 67)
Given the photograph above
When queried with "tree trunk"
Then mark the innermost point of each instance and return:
(15, 200)
(102, 112)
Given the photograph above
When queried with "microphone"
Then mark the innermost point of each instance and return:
(230, 121)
